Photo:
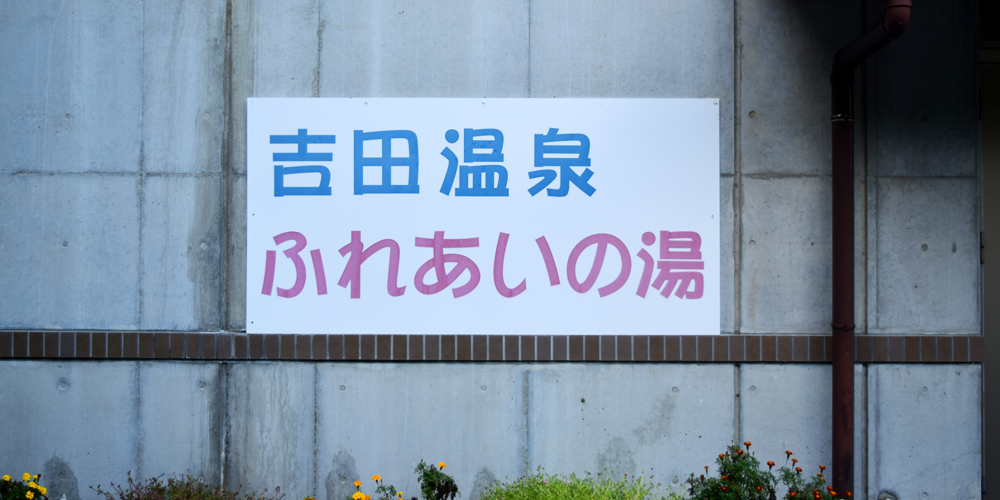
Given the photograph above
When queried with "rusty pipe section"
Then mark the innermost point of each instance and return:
(890, 26)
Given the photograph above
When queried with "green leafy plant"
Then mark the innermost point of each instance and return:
(742, 477)
(385, 492)
(185, 487)
(542, 486)
(435, 484)
(25, 488)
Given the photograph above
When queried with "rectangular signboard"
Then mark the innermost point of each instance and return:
(483, 216)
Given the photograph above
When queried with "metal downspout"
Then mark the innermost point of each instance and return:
(891, 26)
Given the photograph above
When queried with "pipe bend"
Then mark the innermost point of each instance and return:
(897, 16)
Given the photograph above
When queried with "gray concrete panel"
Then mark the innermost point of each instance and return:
(923, 94)
(237, 253)
(599, 48)
(650, 419)
(71, 86)
(727, 234)
(73, 423)
(924, 423)
(286, 52)
(786, 280)
(271, 409)
(787, 53)
(426, 49)
(788, 407)
(181, 420)
(70, 246)
(384, 418)
(928, 256)
(183, 102)
(182, 253)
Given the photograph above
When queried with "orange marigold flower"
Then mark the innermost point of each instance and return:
(770, 464)
(722, 455)
(376, 477)
(848, 494)
(788, 452)
(723, 488)
(829, 488)
(357, 484)
(746, 443)
(798, 469)
(795, 461)
(833, 493)
(759, 487)
(703, 476)
(725, 477)
(793, 494)
(822, 467)
(739, 452)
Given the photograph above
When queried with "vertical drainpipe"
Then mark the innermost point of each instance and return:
(891, 26)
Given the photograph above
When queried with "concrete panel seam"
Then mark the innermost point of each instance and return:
(142, 161)
(737, 174)
(320, 26)
(226, 158)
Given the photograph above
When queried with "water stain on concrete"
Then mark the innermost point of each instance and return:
(204, 254)
(484, 478)
(340, 480)
(59, 480)
(616, 459)
(657, 426)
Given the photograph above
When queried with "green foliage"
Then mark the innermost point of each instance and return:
(741, 477)
(184, 488)
(541, 486)
(21, 489)
(435, 484)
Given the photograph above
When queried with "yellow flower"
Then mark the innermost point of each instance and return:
(441, 465)
(368, 497)
(358, 495)
(6, 478)
(357, 484)
(376, 477)
(37, 476)
(32, 484)
(26, 477)
(308, 498)
(29, 495)
(43, 490)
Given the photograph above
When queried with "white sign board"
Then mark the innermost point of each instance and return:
(473, 216)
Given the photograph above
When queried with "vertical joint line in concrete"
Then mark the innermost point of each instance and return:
(864, 431)
(227, 92)
(142, 159)
(737, 405)
(320, 26)
(138, 420)
(863, 111)
(529, 69)
(737, 176)
(224, 462)
(526, 394)
(315, 481)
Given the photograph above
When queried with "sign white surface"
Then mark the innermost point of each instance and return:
(625, 189)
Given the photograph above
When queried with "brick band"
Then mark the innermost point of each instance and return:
(486, 348)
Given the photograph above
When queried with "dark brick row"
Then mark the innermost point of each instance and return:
(626, 348)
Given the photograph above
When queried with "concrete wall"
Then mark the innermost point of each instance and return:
(122, 207)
